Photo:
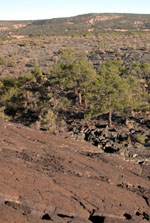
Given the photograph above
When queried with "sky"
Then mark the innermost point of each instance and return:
(47, 9)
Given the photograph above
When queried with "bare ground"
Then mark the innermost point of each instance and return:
(23, 55)
(49, 178)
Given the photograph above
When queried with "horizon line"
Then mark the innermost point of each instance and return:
(63, 17)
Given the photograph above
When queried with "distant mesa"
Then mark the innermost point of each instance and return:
(93, 23)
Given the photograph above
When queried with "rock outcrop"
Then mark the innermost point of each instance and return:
(49, 178)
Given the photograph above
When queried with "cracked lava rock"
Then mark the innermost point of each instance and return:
(49, 178)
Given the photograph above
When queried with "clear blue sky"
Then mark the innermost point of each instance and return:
(46, 9)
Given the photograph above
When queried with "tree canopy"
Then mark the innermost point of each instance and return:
(113, 91)
(43, 97)
(74, 72)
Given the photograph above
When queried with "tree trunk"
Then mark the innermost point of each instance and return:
(110, 120)
(85, 104)
(80, 98)
(76, 91)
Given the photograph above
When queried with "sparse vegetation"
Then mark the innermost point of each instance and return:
(2, 60)
(86, 25)
(88, 82)
(140, 138)
(77, 75)
(73, 87)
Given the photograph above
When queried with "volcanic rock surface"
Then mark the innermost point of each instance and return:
(45, 178)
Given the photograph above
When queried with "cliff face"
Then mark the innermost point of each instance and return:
(44, 177)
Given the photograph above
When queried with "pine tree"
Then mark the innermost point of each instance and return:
(74, 72)
(113, 91)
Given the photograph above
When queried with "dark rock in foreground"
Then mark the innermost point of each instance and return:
(48, 178)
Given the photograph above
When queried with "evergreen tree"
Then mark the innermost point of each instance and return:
(114, 92)
(74, 72)
(24, 98)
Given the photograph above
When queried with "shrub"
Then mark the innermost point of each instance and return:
(2, 60)
(48, 121)
(140, 138)
(2, 113)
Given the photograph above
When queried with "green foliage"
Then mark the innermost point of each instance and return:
(101, 44)
(112, 91)
(26, 78)
(63, 104)
(110, 87)
(2, 60)
(25, 97)
(48, 121)
(8, 87)
(44, 98)
(140, 70)
(37, 74)
(140, 138)
(2, 113)
(74, 72)
(1, 85)
(135, 97)
(11, 63)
